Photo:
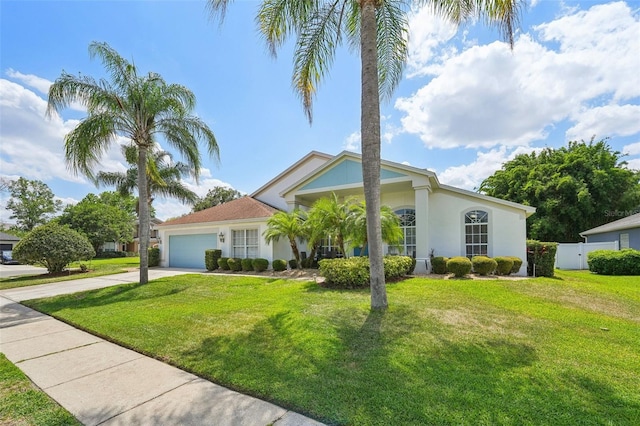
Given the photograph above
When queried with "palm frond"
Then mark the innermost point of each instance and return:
(88, 142)
(392, 42)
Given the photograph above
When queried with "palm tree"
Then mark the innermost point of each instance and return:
(138, 107)
(391, 231)
(379, 29)
(332, 217)
(163, 177)
(287, 225)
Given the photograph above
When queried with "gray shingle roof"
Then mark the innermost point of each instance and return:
(629, 222)
(8, 237)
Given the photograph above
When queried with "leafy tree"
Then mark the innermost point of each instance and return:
(215, 196)
(287, 225)
(98, 221)
(32, 203)
(573, 188)
(378, 29)
(54, 246)
(138, 107)
(125, 202)
(163, 177)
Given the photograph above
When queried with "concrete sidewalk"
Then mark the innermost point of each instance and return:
(101, 383)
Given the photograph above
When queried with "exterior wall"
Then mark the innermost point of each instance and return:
(271, 195)
(264, 250)
(507, 226)
(634, 237)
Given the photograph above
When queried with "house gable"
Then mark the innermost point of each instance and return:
(345, 172)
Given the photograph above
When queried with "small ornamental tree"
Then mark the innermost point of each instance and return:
(53, 246)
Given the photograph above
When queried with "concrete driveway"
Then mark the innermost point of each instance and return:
(7, 271)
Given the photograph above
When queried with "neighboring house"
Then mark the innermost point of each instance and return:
(133, 246)
(7, 241)
(436, 219)
(625, 231)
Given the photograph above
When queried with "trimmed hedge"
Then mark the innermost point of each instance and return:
(223, 263)
(260, 264)
(154, 256)
(541, 258)
(279, 265)
(505, 265)
(211, 257)
(293, 264)
(614, 262)
(439, 265)
(411, 267)
(247, 264)
(235, 264)
(517, 264)
(353, 272)
(459, 265)
(483, 265)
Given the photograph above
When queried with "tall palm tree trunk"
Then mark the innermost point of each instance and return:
(370, 131)
(143, 215)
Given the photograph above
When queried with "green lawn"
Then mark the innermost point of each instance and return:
(561, 351)
(97, 268)
(22, 403)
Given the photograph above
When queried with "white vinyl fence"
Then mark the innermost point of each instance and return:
(574, 255)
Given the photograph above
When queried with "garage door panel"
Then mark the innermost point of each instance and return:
(187, 251)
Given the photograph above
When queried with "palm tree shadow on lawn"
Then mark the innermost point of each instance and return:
(361, 373)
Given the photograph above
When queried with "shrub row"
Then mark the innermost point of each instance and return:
(211, 257)
(115, 254)
(541, 258)
(236, 264)
(614, 262)
(353, 272)
(481, 265)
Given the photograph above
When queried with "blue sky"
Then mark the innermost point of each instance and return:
(465, 105)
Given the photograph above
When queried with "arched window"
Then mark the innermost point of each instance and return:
(408, 225)
(476, 230)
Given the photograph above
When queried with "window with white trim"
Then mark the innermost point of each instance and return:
(476, 233)
(624, 241)
(245, 243)
(408, 225)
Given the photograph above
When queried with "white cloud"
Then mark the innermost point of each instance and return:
(632, 149)
(634, 164)
(428, 33)
(352, 142)
(40, 84)
(610, 120)
(470, 176)
(487, 95)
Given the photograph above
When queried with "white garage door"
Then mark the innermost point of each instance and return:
(187, 251)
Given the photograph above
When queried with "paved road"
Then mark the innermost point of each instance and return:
(7, 271)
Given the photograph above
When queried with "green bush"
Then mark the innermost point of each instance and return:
(211, 257)
(517, 264)
(411, 267)
(505, 265)
(154, 256)
(247, 264)
(260, 264)
(354, 272)
(54, 246)
(223, 263)
(460, 266)
(293, 264)
(235, 264)
(541, 257)
(309, 263)
(483, 265)
(439, 265)
(279, 265)
(614, 262)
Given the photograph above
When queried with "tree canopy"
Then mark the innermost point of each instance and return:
(215, 196)
(574, 188)
(99, 221)
(32, 203)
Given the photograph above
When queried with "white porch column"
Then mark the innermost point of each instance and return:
(422, 228)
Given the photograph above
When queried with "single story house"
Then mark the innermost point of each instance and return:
(7, 241)
(625, 231)
(436, 219)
